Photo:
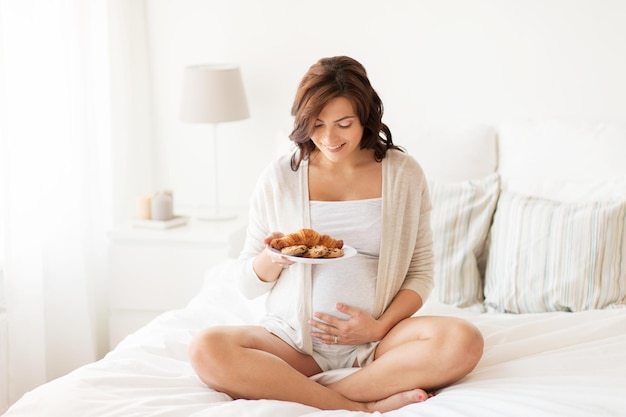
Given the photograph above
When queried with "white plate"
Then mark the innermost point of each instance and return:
(348, 252)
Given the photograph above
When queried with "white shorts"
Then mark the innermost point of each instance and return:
(330, 357)
(334, 356)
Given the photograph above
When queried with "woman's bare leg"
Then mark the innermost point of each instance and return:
(420, 352)
(249, 362)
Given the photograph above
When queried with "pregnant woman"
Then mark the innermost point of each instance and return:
(349, 180)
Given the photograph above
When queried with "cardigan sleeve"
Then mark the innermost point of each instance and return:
(258, 228)
(419, 276)
(406, 259)
(276, 205)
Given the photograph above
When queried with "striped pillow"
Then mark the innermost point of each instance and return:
(552, 256)
(461, 216)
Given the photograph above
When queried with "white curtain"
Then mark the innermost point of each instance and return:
(55, 187)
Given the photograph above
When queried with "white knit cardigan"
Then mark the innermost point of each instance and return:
(280, 203)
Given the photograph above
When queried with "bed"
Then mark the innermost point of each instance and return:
(552, 348)
(549, 364)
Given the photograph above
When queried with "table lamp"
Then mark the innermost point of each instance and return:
(213, 93)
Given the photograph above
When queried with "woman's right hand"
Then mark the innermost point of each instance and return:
(274, 235)
(277, 259)
(268, 265)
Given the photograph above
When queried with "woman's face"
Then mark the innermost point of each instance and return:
(338, 131)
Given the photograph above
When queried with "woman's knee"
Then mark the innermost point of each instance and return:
(209, 350)
(464, 344)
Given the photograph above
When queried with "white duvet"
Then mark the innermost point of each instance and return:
(551, 364)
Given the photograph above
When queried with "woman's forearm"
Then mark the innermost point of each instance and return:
(404, 305)
(265, 268)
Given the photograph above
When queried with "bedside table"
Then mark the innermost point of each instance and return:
(154, 270)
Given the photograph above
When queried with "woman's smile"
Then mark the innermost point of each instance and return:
(334, 148)
(338, 132)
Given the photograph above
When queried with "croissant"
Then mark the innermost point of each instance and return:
(307, 237)
(330, 242)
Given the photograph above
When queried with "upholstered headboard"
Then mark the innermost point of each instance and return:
(450, 154)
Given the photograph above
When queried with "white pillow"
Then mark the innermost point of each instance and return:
(552, 256)
(461, 217)
(561, 149)
(453, 153)
(609, 189)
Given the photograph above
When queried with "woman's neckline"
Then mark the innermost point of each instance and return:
(347, 201)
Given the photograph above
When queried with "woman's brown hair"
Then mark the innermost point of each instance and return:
(327, 79)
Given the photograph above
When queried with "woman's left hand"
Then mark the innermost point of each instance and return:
(358, 329)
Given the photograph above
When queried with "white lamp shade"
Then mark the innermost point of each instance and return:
(213, 93)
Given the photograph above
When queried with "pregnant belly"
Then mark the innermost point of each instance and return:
(351, 282)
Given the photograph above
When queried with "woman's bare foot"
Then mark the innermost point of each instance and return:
(399, 400)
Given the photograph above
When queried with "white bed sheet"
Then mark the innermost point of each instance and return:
(551, 364)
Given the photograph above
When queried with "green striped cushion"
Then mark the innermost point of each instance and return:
(461, 216)
(552, 256)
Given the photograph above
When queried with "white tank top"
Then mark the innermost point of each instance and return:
(351, 281)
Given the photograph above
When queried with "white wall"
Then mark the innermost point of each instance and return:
(444, 61)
